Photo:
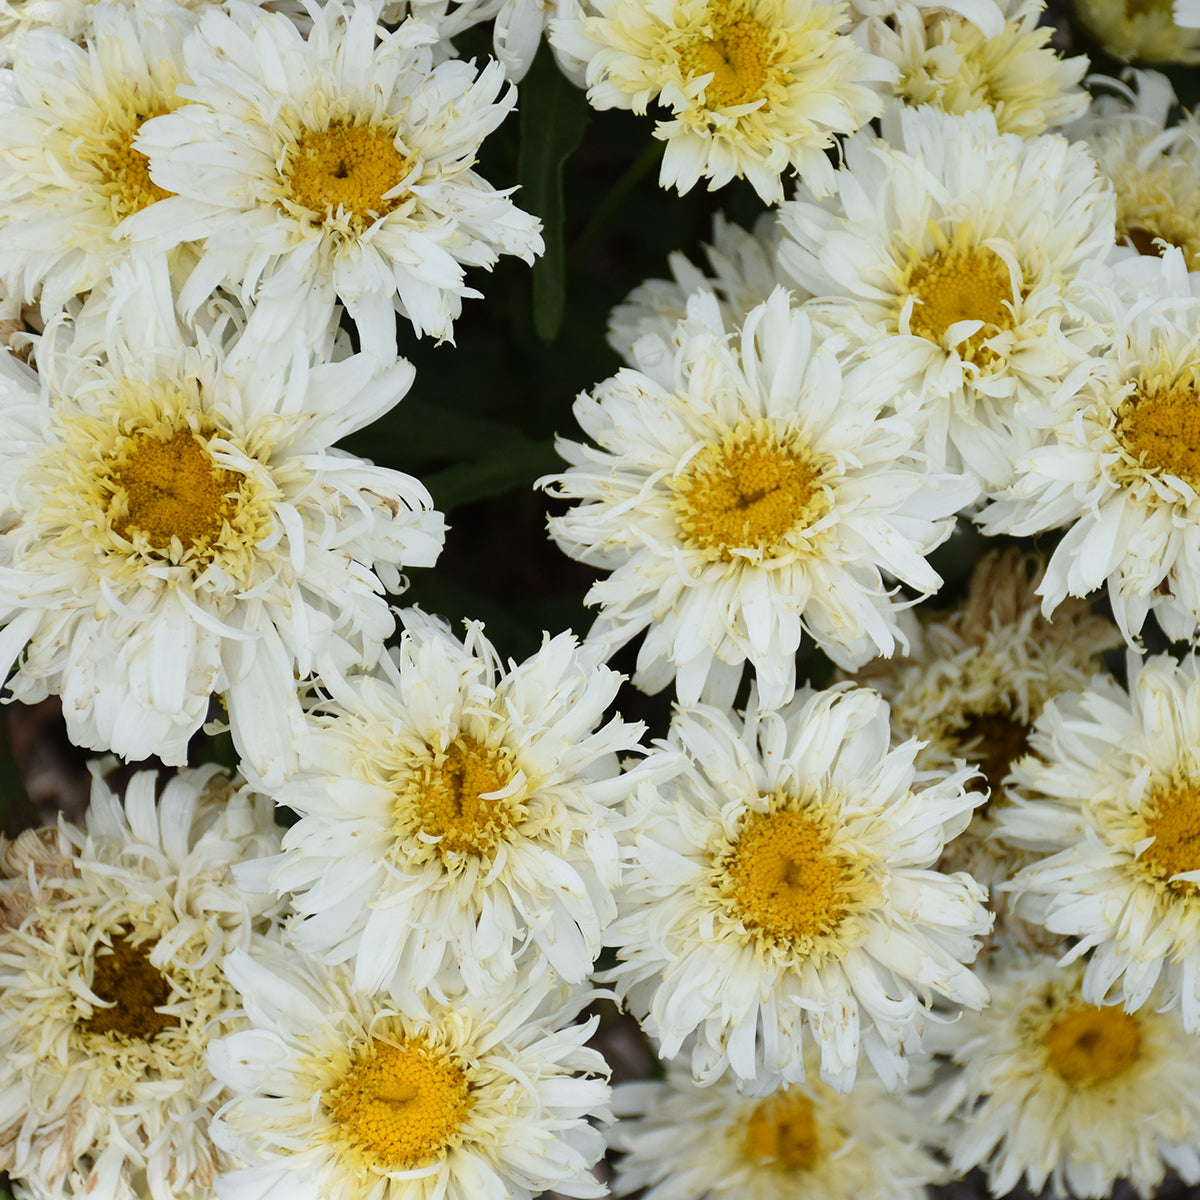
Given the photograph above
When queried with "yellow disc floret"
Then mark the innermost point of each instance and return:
(401, 1103)
(452, 796)
(739, 52)
(782, 1132)
(1160, 427)
(969, 283)
(170, 489)
(1171, 814)
(787, 882)
(347, 168)
(745, 495)
(1087, 1045)
(124, 171)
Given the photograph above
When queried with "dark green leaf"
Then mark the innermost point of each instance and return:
(554, 114)
(512, 466)
(417, 429)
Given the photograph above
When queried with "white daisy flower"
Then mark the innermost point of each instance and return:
(1154, 169)
(939, 254)
(456, 819)
(753, 86)
(1113, 810)
(176, 526)
(337, 165)
(338, 1093)
(947, 61)
(70, 177)
(1052, 1089)
(683, 1142)
(1120, 463)
(742, 497)
(111, 986)
(781, 880)
(744, 274)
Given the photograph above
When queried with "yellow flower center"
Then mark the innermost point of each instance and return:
(401, 1104)
(124, 171)
(961, 284)
(124, 978)
(748, 493)
(1161, 429)
(739, 52)
(346, 167)
(782, 1132)
(172, 489)
(1172, 817)
(782, 878)
(1088, 1045)
(453, 797)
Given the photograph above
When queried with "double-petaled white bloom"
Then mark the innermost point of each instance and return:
(947, 61)
(70, 178)
(1119, 464)
(683, 1142)
(339, 1093)
(780, 891)
(746, 492)
(111, 985)
(752, 86)
(1113, 810)
(457, 820)
(176, 525)
(1051, 1088)
(957, 256)
(334, 165)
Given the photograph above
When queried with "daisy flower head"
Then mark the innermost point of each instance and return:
(111, 941)
(176, 526)
(744, 495)
(339, 1093)
(1154, 168)
(1051, 1088)
(70, 176)
(338, 164)
(752, 86)
(961, 257)
(744, 273)
(780, 890)
(457, 820)
(1120, 464)
(683, 1142)
(1111, 808)
(945, 60)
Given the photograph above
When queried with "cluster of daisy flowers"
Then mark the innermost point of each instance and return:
(936, 913)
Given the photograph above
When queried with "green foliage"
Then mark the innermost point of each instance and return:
(554, 115)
